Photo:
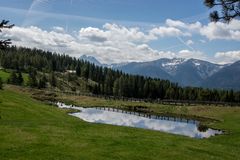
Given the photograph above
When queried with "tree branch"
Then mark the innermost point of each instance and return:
(4, 24)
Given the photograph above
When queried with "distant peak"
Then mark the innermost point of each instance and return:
(90, 59)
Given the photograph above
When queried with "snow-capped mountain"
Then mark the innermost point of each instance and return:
(168, 65)
(193, 71)
(149, 69)
(186, 72)
(175, 65)
(205, 69)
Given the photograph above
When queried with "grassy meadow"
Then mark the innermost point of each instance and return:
(31, 129)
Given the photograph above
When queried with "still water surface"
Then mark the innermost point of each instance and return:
(139, 120)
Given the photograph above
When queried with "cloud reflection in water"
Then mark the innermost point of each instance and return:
(94, 115)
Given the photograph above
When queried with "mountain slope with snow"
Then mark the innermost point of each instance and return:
(144, 69)
(186, 72)
(227, 78)
(192, 72)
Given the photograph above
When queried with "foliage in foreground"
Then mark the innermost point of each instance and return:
(229, 9)
(5, 43)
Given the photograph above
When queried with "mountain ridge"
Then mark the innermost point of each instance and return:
(186, 72)
(227, 78)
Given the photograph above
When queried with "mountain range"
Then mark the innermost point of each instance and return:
(186, 72)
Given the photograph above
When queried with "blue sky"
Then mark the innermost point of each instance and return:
(122, 30)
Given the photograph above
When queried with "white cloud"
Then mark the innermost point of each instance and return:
(58, 29)
(227, 57)
(112, 43)
(168, 32)
(187, 26)
(212, 31)
(192, 54)
(118, 43)
(222, 31)
(123, 33)
(113, 32)
(36, 37)
(93, 34)
(189, 42)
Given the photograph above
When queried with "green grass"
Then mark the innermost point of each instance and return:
(4, 74)
(30, 129)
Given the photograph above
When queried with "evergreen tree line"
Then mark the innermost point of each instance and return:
(109, 82)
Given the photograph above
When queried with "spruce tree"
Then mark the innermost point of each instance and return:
(13, 78)
(32, 78)
(52, 79)
(78, 70)
(42, 82)
(116, 88)
(19, 78)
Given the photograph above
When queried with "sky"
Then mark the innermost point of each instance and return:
(119, 31)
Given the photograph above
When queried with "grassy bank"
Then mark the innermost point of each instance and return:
(30, 129)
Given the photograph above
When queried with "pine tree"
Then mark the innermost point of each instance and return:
(19, 78)
(146, 89)
(237, 96)
(231, 96)
(121, 90)
(5, 43)
(52, 80)
(32, 78)
(78, 70)
(230, 9)
(13, 79)
(42, 82)
(85, 70)
(108, 82)
(170, 93)
(116, 88)
(96, 89)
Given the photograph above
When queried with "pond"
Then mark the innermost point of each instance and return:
(119, 117)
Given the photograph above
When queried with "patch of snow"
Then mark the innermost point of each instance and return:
(174, 62)
(116, 65)
(197, 64)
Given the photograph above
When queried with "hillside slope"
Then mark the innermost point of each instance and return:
(226, 78)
